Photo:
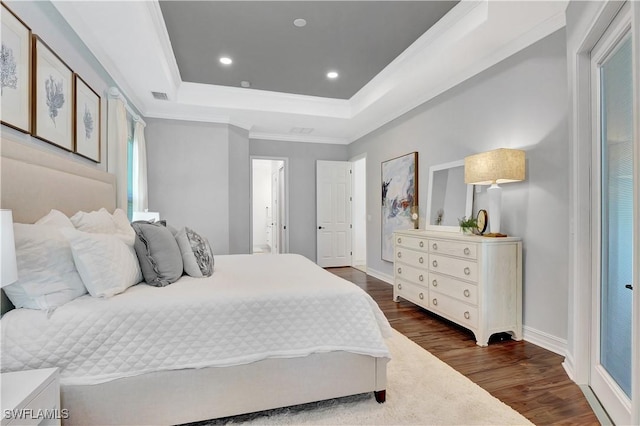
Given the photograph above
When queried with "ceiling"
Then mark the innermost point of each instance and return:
(135, 45)
(357, 39)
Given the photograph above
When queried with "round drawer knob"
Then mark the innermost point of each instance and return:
(435, 246)
(467, 251)
(399, 240)
(434, 283)
(399, 286)
(467, 271)
(421, 244)
(435, 263)
(466, 293)
(399, 270)
(421, 278)
(399, 254)
(421, 260)
(421, 296)
(435, 302)
(467, 315)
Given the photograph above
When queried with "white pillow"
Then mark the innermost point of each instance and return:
(47, 276)
(123, 227)
(55, 218)
(197, 255)
(99, 222)
(105, 263)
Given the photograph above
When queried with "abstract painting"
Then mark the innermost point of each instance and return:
(15, 71)
(53, 120)
(399, 194)
(87, 115)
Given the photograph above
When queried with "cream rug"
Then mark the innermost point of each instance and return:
(421, 390)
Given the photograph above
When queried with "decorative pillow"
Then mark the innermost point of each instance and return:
(158, 253)
(98, 222)
(197, 255)
(105, 263)
(56, 218)
(47, 276)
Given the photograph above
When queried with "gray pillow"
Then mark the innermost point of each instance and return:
(158, 253)
(197, 255)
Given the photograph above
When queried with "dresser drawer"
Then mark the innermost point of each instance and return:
(454, 309)
(414, 243)
(411, 292)
(410, 257)
(410, 273)
(453, 248)
(452, 287)
(458, 268)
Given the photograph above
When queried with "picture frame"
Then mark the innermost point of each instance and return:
(16, 72)
(87, 120)
(399, 196)
(52, 117)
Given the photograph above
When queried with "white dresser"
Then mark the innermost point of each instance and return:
(471, 280)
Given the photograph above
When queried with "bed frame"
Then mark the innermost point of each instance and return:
(34, 181)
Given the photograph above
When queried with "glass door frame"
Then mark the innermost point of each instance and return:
(619, 407)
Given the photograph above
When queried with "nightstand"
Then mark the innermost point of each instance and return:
(31, 397)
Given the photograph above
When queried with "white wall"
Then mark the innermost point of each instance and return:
(518, 103)
(261, 199)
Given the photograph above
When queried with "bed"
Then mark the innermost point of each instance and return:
(263, 303)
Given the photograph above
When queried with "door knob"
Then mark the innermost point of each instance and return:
(629, 286)
(320, 227)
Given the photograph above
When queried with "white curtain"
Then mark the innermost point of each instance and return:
(117, 149)
(140, 202)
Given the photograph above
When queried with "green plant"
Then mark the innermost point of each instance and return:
(468, 224)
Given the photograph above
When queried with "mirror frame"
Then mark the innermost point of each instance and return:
(468, 204)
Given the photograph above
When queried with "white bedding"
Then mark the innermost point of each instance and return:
(253, 307)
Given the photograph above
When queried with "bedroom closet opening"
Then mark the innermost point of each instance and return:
(269, 205)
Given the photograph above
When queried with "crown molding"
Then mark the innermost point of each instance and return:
(160, 29)
(298, 138)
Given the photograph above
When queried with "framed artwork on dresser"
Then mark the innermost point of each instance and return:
(399, 195)
(15, 68)
(53, 97)
(86, 108)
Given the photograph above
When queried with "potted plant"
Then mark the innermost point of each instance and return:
(468, 225)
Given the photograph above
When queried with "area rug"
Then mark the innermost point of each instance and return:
(421, 390)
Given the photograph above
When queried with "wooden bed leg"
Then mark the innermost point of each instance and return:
(381, 396)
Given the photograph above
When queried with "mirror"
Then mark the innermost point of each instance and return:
(449, 198)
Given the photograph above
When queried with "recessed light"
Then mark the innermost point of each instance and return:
(332, 75)
(245, 83)
(225, 60)
(300, 22)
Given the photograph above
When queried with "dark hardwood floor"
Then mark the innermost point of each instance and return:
(527, 377)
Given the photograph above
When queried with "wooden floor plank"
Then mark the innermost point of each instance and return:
(527, 377)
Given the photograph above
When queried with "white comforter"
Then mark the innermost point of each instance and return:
(253, 307)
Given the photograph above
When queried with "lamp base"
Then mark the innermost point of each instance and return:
(495, 205)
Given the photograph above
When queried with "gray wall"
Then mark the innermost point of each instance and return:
(518, 103)
(188, 177)
(239, 191)
(45, 21)
(302, 186)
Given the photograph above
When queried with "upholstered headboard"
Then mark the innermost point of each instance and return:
(34, 181)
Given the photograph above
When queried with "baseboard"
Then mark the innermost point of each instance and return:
(569, 366)
(380, 275)
(545, 340)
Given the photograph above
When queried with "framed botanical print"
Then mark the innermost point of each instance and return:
(53, 97)
(399, 195)
(15, 69)
(87, 132)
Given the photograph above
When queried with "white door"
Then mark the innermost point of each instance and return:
(282, 213)
(612, 339)
(275, 213)
(333, 206)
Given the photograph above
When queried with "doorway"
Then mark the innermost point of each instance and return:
(269, 205)
(359, 211)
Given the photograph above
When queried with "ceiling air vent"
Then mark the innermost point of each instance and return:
(160, 95)
(301, 130)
